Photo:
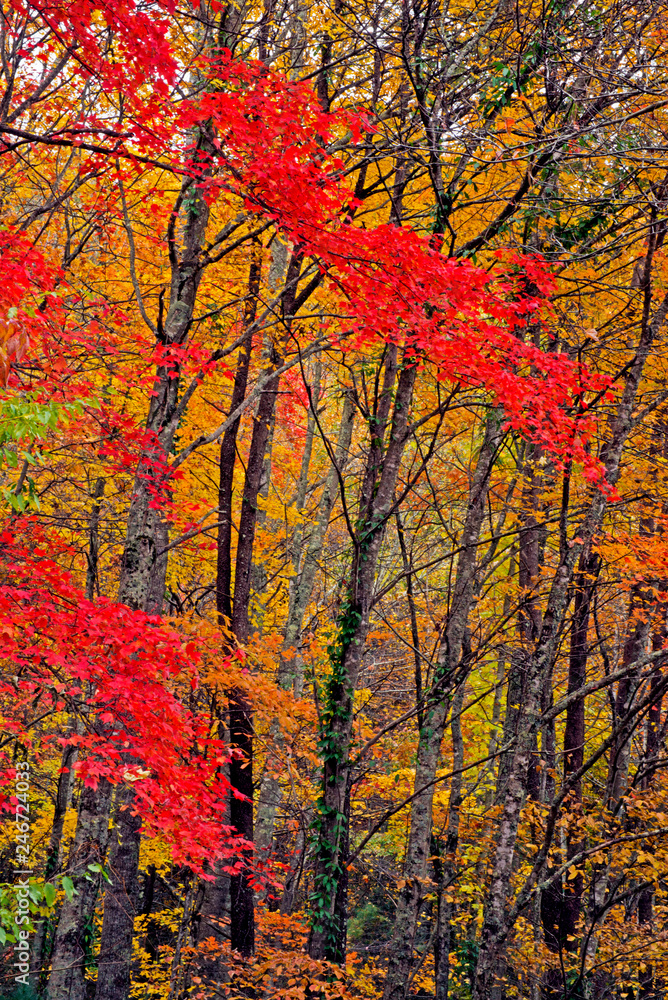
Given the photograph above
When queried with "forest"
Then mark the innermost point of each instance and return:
(334, 500)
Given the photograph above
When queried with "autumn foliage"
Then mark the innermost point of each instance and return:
(333, 454)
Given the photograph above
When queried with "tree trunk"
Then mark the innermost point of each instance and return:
(73, 942)
(71, 752)
(561, 903)
(445, 934)
(144, 561)
(92, 558)
(54, 854)
(121, 901)
(329, 897)
(176, 979)
(295, 873)
(530, 557)
(574, 738)
(228, 451)
(531, 543)
(635, 643)
(448, 674)
(242, 934)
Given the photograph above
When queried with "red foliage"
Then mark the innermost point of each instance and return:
(128, 677)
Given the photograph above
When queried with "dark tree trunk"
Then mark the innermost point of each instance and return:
(574, 736)
(38, 953)
(228, 452)
(242, 917)
(561, 904)
(215, 895)
(92, 559)
(242, 930)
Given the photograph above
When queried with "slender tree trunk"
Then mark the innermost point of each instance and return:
(561, 904)
(329, 897)
(214, 900)
(214, 907)
(530, 557)
(38, 953)
(228, 451)
(295, 872)
(574, 739)
(242, 934)
(71, 752)
(92, 582)
(635, 643)
(497, 724)
(447, 909)
(447, 675)
(177, 973)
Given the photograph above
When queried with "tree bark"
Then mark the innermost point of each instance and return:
(54, 854)
(214, 899)
(329, 897)
(445, 934)
(228, 451)
(637, 635)
(530, 547)
(92, 556)
(121, 901)
(144, 561)
(561, 904)
(73, 941)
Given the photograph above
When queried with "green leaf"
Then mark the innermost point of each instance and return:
(68, 886)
